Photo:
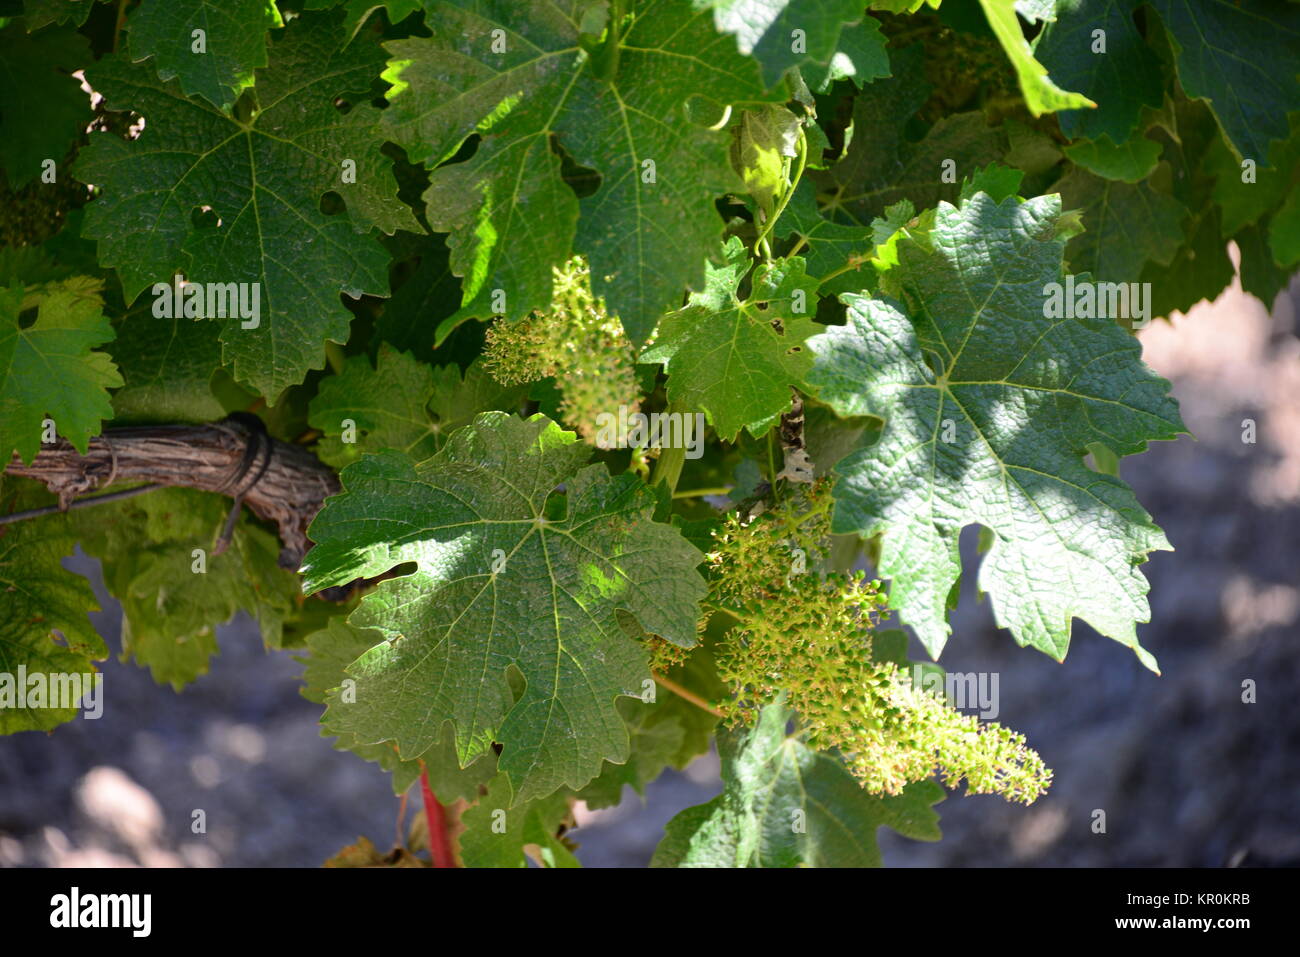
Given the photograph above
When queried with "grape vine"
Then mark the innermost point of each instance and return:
(580, 386)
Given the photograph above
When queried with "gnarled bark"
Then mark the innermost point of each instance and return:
(281, 483)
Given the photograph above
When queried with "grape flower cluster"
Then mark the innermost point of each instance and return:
(809, 634)
(579, 343)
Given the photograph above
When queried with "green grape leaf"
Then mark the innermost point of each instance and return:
(883, 166)
(1123, 77)
(1132, 161)
(995, 179)
(216, 64)
(901, 6)
(668, 731)
(1126, 226)
(44, 628)
(860, 57)
(650, 223)
(50, 367)
(1260, 276)
(497, 834)
(508, 579)
(357, 12)
(335, 647)
(829, 245)
(43, 109)
(1242, 59)
(989, 407)
(167, 367)
(1035, 10)
(387, 406)
(785, 805)
(1200, 270)
(431, 292)
(1246, 199)
(1284, 231)
(1041, 94)
(172, 599)
(401, 403)
(785, 34)
(726, 356)
(42, 13)
(263, 181)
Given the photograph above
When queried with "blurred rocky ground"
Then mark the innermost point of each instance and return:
(1185, 772)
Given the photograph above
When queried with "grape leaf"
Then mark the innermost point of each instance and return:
(39, 600)
(1122, 79)
(263, 181)
(167, 367)
(49, 367)
(883, 166)
(1244, 202)
(1041, 94)
(1200, 270)
(401, 403)
(41, 13)
(170, 609)
(550, 609)
(499, 835)
(829, 245)
(784, 34)
(1126, 226)
(668, 731)
(1242, 59)
(995, 179)
(357, 12)
(42, 106)
(363, 853)
(650, 224)
(1260, 276)
(860, 57)
(233, 38)
(785, 805)
(1033, 10)
(387, 405)
(335, 647)
(1284, 231)
(1132, 161)
(967, 351)
(726, 356)
(428, 295)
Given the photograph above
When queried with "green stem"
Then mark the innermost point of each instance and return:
(771, 459)
(668, 467)
(701, 492)
(604, 61)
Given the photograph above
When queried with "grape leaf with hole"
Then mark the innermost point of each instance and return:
(989, 406)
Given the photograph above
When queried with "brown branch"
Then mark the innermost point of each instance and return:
(287, 485)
